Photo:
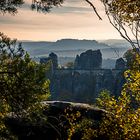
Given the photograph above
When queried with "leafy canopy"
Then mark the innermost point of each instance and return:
(23, 83)
(10, 6)
(124, 15)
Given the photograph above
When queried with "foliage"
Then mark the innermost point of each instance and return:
(23, 84)
(79, 127)
(130, 55)
(127, 10)
(4, 132)
(22, 80)
(125, 15)
(73, 124)
(45, 5)
(122, 120)
(10, 6)
(80, 130)
(132, 85)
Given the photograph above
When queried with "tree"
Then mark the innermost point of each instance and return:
(10, 6)
(45, 5)
(23, 83)
(122, 122)
(123, 119)
(124, 15)
(129, 55)
(132, 85)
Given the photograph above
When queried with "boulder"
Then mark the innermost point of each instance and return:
(57, 125)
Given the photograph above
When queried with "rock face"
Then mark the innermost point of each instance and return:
(57, 124)
(88, 60)
(120, 64)
(86, 110)
(53, 58)
(85, 85)
(87, 79)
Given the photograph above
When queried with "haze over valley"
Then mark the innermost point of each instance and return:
(67, 49)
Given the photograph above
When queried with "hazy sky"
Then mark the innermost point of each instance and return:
(75, 19)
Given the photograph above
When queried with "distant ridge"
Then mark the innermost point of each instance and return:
(71, 47)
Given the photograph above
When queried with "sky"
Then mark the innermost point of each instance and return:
(74, 19)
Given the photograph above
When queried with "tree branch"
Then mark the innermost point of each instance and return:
(90, 3)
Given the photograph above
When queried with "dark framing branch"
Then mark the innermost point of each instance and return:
(91, 4)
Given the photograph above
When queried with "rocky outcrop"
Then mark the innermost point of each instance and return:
(120, 64)
(53, 58)
(57, 124)
(86, 80)
(88, 60)
(86, 110)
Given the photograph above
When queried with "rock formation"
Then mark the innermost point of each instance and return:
(85, 85)
(88, 60)
(53, 58)
(87, 79)
(120, 64)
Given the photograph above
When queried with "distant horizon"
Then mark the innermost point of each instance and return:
(71, 39)
(70, 47)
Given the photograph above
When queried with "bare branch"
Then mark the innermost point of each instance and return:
(91, 4)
